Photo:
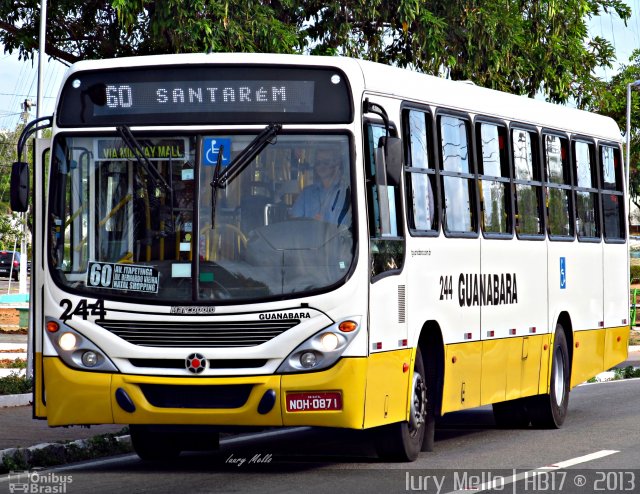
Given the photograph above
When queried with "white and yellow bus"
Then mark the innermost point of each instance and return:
(264, 240)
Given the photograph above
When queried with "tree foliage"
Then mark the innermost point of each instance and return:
(520, 46)
(612, 101)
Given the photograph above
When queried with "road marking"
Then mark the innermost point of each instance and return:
(533, 473)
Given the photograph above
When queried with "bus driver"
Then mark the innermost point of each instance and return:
(328, 198)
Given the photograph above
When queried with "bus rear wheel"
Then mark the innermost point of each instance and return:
(402, 441)
(549, 411)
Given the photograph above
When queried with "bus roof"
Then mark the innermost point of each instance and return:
(416, 87)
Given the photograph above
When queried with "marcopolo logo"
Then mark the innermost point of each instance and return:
(38, 482)
(196, 363)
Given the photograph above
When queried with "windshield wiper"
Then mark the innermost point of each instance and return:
(246, 156)
(134, 146)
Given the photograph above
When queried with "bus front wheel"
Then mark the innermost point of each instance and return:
(402, 441)
(549, 411)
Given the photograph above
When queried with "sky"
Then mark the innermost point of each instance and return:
(19, 79)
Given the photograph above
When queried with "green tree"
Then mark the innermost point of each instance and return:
(520, 46)
(612, 101)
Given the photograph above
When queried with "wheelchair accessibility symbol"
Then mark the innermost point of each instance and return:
(211, 147)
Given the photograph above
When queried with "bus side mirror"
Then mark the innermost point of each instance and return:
(20, 186)
(393, 158)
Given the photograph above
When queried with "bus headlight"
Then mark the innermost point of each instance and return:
(67, 341)
(321, 350)
(76, 350)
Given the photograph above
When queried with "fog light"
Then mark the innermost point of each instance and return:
(90, 359)
(329, 342)
(67, 341)
(308, 360)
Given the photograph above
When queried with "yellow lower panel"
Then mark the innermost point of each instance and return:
(146, 413)
(494, 370)
(348, 376)
(462, 371)
(39, 407)
(511, 368)
(388, 384)
(545, 363)
(533, 364)
(75, 397)
(588, 355)
(616, 346)
(79, 397)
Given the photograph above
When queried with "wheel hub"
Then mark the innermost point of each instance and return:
(418, 409)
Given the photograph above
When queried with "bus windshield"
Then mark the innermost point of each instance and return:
(143, 217)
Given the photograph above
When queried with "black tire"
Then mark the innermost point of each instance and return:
(402, 441)
(549, 411)
(153, 445)
(511, 414)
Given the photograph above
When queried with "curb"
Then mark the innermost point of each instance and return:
(51, 454)
(15, 400)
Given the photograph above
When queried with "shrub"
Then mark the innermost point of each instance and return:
(15, 384)
(628, 372)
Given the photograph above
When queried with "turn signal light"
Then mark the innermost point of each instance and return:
(348, 326)
(52, 326)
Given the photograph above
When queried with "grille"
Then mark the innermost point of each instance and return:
(212, 364)
(194, 396)
(205, 334)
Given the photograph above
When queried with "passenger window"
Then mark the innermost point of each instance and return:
(494, 179)
(420, 172)
(612, 194)
(587, 223)
(458, 183)
(558, 189)
(528, 185)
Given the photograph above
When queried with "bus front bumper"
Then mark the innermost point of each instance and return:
(78, 397)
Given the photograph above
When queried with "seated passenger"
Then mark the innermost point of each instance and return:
(328, 198)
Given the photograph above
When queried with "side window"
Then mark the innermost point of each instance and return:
(457, 176)
(384, 211)
(528, 183)
(558, 186)
(587, 223)
(420, 172)
(612, 193)
(494, 179)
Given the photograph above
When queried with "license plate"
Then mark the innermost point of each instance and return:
(314, 401)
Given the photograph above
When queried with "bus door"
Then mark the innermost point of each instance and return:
(513, 262)
(456, 258)
(386, 243)
(36, 317)
(386, 398)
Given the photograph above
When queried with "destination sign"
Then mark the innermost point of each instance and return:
(126, 277)
(212, 96)
(205, 94)
(164, 149)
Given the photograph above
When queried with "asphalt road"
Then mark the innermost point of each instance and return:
(597, 449)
